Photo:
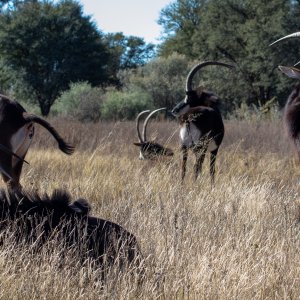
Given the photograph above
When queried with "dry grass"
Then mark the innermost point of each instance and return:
(237, 240)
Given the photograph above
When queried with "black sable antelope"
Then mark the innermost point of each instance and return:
(291, 116)
(149, 149)
(16, 133)
(201, 124)
(35, 219)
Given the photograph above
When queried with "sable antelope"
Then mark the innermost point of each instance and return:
(291, 116)
(17, 130)
(35, 219)
(201, 124)
(149, 149)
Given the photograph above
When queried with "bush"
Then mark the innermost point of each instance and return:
(125, 105)
(81, 102)
(268, 111)
(162, 78)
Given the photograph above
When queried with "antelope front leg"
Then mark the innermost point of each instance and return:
(184, 160)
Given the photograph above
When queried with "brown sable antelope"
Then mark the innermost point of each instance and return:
(17, 130)
(201, 124)
(34, 219)
(149, 149)
(291, 115)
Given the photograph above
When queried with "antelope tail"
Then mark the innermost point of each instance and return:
(63, 146)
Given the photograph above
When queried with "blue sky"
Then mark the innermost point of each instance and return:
(132, 17)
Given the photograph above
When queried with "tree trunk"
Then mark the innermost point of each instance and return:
(44, 106)
(263, 95)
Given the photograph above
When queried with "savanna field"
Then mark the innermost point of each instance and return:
(237, 240)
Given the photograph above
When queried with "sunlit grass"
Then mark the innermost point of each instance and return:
(237, 240)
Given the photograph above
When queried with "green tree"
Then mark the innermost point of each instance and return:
(52, 44)
(242, 36)
(240, 31)
(127, 52)
(12, 83)
(124, 105)
(180, 20)
(81, 102)
(163, 79)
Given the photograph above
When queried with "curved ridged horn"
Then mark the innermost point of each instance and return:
(138, 118)
(194, 70)
(147, 120)
(290, 36)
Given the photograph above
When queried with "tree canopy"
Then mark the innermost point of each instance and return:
(238, 32)
(127, 52)
(52, 45)
(47, 45)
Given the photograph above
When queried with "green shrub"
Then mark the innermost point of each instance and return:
(162, 78)
(81, 102)
(125, 105)
(267, 111)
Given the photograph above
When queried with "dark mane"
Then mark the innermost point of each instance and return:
(20, 203)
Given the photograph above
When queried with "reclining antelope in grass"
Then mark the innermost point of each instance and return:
(149, 149)
(35, 219)
(291, 116)
(16, 133)
(201, 124)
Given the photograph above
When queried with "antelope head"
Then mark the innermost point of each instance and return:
(149, 149)
(199, 96)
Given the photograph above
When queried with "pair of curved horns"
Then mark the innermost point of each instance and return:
(143, 138)
(196, 68)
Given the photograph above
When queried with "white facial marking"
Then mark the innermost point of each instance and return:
(141, 157)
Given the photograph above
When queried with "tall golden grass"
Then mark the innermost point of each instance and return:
(237, 240)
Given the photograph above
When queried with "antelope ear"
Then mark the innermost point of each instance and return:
(199, 90)
(290, 71)
(138, 144)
